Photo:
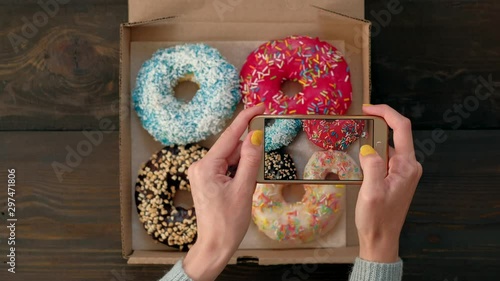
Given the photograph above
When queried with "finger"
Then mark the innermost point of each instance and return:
(229, 140)
(374, 170)
(403, 140)
(392, 151)
(234, 157)
(207, 168)
(251, 156)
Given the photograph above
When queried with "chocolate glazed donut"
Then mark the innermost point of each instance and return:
(157, 183)
(278, 165)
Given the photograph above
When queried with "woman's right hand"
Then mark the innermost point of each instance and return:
(384, 199)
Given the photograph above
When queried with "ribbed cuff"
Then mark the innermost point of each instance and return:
(373, 271)
(176, 273)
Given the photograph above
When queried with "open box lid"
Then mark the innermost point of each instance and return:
(239, 10)
(248, 21)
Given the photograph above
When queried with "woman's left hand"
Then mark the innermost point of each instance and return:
(223, 204)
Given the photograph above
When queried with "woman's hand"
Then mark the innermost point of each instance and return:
(383, 200)
(223, 204)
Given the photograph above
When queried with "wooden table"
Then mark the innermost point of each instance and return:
(63, 79)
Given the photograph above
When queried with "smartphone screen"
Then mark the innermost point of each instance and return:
(315, 149)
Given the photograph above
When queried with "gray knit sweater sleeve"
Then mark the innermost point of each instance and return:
(176, 273)
(374, 271)
(362, 271)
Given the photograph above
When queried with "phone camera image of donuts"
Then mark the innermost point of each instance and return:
(328, 145)
(325, 151)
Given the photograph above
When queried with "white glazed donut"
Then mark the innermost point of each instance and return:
(320, 207)
(301, 222)
(322, 163)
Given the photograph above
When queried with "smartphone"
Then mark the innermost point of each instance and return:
(324, 149)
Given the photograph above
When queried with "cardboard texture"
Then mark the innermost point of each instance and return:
(235, 37)
(239, 10)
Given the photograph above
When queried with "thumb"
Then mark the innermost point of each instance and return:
(251, 156)
(374, 170)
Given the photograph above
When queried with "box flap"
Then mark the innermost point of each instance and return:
(261, 257)
(239, 10)
(124, 143)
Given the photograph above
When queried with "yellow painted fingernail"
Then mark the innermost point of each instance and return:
(367, 150)
(367, 104)
(257, 137)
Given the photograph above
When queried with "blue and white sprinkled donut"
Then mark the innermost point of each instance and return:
(281, 133)
(171, 121)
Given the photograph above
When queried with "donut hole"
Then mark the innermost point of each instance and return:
(185, 90)
(183, 199)
(291, 88)
(332, 177)
(293, 193)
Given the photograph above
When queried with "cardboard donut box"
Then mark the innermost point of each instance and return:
(235, 28)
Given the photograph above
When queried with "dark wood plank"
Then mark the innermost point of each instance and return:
(64, 228)
(59, 63)
(69, 230)
(431, 55)
(453, 225)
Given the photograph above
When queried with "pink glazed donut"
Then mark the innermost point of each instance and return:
(333, 134)
(318, 66)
